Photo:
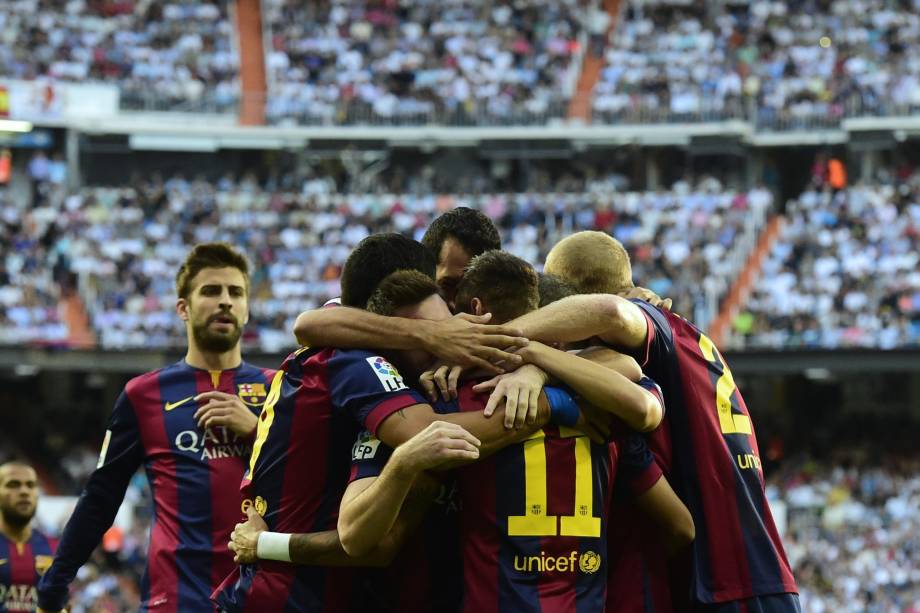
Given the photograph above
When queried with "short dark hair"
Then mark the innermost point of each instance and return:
(401, 289)
(505, 282)
(553, 288)
(472, 229)
(209, 255)
(375, 258)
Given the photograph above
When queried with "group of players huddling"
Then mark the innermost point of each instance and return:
(456, 433)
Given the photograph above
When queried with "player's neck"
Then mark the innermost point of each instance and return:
(17, 534)
(207, 360)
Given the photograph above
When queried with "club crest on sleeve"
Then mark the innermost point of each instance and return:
(252, 393)
(387, 374)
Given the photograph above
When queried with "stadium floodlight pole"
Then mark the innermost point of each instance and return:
(191, 425)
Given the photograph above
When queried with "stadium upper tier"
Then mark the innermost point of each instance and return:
(463, 62)
(163, 55)
(844, 272)
(779, 63)
(121, 247)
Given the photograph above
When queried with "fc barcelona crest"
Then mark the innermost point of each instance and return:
(42, 563)
(252, 394)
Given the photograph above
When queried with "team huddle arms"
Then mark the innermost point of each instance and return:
(494, 442)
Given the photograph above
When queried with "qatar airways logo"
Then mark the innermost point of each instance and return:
(18, 597)
(214, 443)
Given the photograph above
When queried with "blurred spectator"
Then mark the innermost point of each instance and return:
(166, 53)
(410, 62)
(844, 272)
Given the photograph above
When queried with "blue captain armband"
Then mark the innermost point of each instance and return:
(563, 410)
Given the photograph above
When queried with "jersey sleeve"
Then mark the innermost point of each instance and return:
(649, 385)
(637, 471)
(368, 387)
(659, 340)
(121, 455)
(368, 457)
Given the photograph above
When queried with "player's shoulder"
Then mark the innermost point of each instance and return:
(152, 380)
(256, 373)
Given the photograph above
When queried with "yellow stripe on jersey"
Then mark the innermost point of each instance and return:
(266, 419)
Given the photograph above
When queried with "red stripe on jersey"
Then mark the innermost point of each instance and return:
(22, 564)
(145, 396)
(556, 589)
(266, 582)
(385, 409)
(480, 579)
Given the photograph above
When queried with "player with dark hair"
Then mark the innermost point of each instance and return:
(553, 288)
(525, 545)
(190, 425)
(455, 238)
(378, 255)
(507, 284)
(300, 462)
(25, 553)
(709, 451)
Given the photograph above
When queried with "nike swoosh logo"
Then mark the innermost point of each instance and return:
(169, 406)
(2, 561)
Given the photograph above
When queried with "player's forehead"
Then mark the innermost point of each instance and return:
(453, 255)
(17, 473)
(227, 276)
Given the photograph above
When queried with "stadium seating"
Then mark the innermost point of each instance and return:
(429, 61)
(844, 272)
(123, 245)
(784, 64)
(164, 56)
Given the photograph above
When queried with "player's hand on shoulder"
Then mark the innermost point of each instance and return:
(647, 295)
(466, 340)
(441, 382)
(244, 539)
(222, 409)
(520, 392)
(437, 444)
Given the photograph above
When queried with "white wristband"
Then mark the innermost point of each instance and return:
(274, 546)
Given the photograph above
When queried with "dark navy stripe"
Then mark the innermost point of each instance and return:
(591, 589)
(193, 487)
(5, 570)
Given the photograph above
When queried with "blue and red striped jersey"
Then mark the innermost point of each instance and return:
(194, 476)
(534, 519)
(299, 469)
(716, 466)
(21, 566)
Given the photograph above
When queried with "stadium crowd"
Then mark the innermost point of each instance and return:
(172, 53)
(469, 62)
(844, 271)
(119, 246)
(791, 61)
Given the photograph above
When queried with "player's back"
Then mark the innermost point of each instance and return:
(534, 523)
(21, 566)
(300, 466)
(716, 465)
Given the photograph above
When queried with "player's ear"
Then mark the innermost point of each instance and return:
(182, 309)
(476, 306)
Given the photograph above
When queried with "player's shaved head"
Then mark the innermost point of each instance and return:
(18, 493)
(591, 262)
(504, 284)
(375, 258)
